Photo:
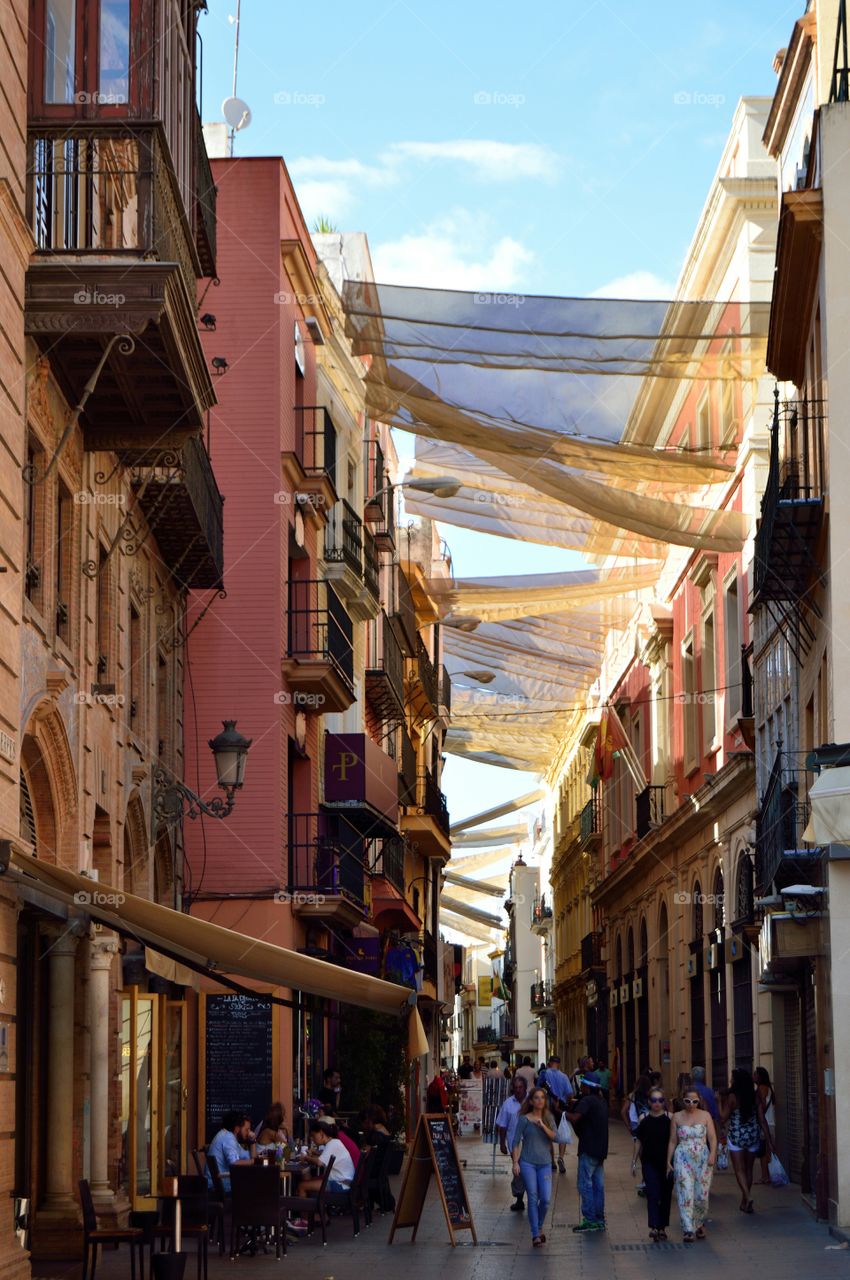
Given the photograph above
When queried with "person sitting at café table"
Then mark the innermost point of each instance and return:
(337, 1129)
(235, 1143)
(273, 1131)
(375, 1131)
(342, 1173)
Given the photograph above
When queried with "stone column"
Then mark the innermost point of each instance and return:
(60, 1198)
(101, 954)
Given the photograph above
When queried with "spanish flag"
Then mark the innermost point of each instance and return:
(605, 751)
(500, 991)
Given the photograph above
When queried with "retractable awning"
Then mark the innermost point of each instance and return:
(499, 810)
(476, 886)
(829, 796)
(214, 950)
(472, 913)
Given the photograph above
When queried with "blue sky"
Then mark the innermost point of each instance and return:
(556, 148)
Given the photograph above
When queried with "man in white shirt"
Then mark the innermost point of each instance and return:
(528, 1073)
(342, 1173)
(506, 1122)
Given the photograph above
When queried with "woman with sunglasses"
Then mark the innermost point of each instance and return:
(652, 1137)
(536, 1130)
(691, 1153)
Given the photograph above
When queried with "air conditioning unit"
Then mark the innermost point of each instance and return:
(637, 988)
(613, 997)
(712, 956)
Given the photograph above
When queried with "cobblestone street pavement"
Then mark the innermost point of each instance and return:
(779, 1242)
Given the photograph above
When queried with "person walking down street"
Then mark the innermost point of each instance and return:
(590, 1118)
(526, 1070)
(708, 1096)
(653, 1139)
(634, 1108)
(691, 1152)
(767, 1097)
(585, 1066)
(742, 1111)
(560, 1091)
(437, 1095)
(506, 1122)
(532, 1154)
(604, 1074)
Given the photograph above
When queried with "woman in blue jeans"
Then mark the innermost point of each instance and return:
(536, 1130)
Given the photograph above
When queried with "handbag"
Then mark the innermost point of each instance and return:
(565, 1130)
(776, 1171)
(722, 1161)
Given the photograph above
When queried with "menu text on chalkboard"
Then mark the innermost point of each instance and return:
(448, 1169)
(238, 1058)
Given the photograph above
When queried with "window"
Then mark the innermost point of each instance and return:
(103, 614)
(732, 643)
(33, 497)
(135, 683)
(709, 684)
(114, 85)
(62, 559)
(60, 29)
(689, 705)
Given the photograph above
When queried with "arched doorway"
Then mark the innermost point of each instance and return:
(643, 1062)
(697, 980)
(717, 991)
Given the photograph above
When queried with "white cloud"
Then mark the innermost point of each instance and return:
(448, 254)
(489, 161)
(325, 199)
(637, 284)
(351, 170)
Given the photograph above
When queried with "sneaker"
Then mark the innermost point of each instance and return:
(562, 1168)
(296, 1228)
(518, 1205)
(599, 1226)
(585, 1225)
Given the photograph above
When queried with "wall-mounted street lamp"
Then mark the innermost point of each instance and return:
(173, 800)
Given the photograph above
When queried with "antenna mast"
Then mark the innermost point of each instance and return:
(235, 68)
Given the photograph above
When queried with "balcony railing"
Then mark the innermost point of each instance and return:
(404, 615)
(445, 693)
(325, 857)
(591, 951)
(386, 858)
(407, 772)
(427, 673)
(649, 810)
(385, 672)
(96, 188)
(371, 566)
(205, 203)
(486, 1034)
(344, 538)
(432, 801)
(315, 441)
(320, 629)
(185, 512)
(784, 814)
(590, 823)
(541, 996)
(541, 911)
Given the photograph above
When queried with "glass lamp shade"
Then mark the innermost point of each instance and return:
(230, 750)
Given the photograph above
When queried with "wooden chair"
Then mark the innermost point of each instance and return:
(379, 1191)
(311, 1205)
(196, 1160)
(218, 1200)
(256, 1203)
(94, 1236)
(356, 1199)
(193, 1193)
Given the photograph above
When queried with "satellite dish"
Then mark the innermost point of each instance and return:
(237, 113)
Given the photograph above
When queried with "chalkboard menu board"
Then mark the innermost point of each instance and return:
(448, 1169)
(433, 1151)
(238, 1058)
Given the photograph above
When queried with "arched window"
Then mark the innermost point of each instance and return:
(744, 890)
(718, 894)
(698, 921)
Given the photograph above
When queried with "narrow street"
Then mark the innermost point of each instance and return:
(780, 1241)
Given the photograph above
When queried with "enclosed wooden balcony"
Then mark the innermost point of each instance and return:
(116, 255)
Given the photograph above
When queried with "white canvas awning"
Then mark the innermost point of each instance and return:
(499, 810)
(829, 796)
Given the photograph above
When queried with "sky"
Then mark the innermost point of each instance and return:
(561, 148)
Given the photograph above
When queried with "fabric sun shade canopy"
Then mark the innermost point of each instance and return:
(545, 389)
(829, 796)
(476, 886)
(212, 949)
(499, 810)
(475, 931)
(472, 913)
(492, 836)
(503, 599)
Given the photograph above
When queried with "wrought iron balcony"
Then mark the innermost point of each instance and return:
(541, 915)
(590, 824)
(315, 441)
(432, 801)
(326, 868)
(344, 538)
(386, 858)
(541, 996)
(787, 563)
(178, 494)
(781, 856)
(319, 664)
(427, 675)
(486, 1034)
(371, 566)
(649, 810)
(445, 697)
(205, 203)
(407, 772)
(403, 613)
(591, 952)
(385, 671)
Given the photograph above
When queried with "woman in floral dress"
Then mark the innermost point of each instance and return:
(690, 1158)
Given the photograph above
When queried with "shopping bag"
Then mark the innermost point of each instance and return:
(565, 1130)
(722, 1161)
(778, 1176)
